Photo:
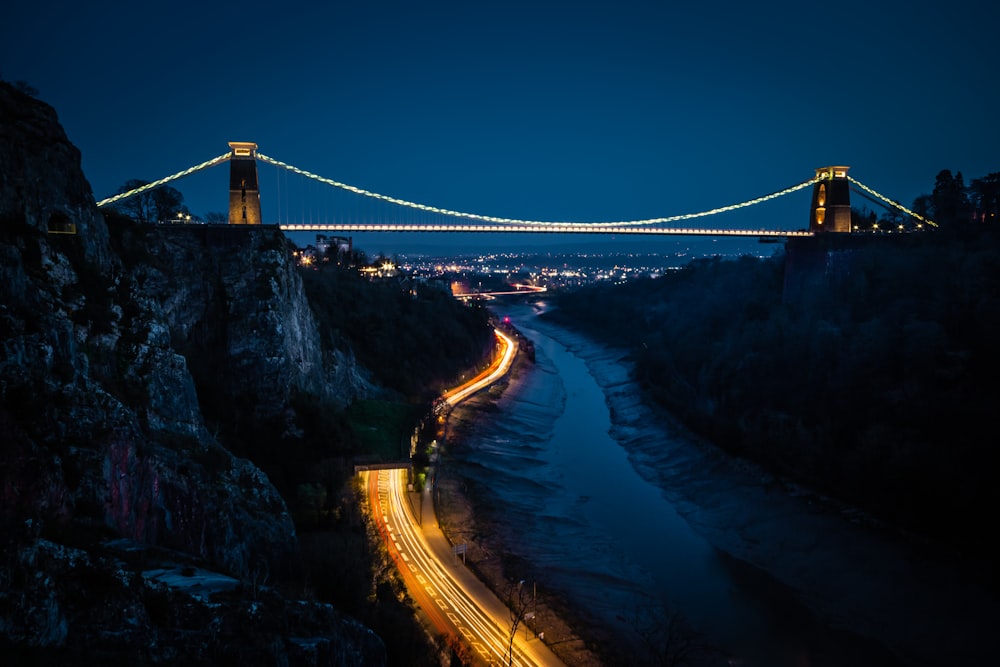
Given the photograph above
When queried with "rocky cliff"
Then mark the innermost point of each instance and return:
(109, 336)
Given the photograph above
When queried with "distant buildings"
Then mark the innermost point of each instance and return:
(341, 245)
(325, 249)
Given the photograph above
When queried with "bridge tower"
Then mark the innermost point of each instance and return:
(831, 201)
(244, 193)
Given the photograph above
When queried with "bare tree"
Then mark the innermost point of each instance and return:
(156, 205)
(26, 88)
(518, 600)
(169, 203)
(138, 207)
(669, 638)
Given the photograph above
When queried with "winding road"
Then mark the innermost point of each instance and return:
(456, 603)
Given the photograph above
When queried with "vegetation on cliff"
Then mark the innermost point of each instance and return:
(169, 401)
(873, 380)
(416, 340)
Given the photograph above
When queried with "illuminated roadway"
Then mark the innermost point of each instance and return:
(496, 371)
(457, 603)
(555, 228)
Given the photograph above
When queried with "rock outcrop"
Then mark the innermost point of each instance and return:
(102, 432)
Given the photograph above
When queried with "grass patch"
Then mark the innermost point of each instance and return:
(383, 428)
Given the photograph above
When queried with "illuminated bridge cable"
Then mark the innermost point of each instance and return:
(891, 202)
(163, 181)
(539, 223)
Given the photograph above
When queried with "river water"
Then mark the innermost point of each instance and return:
(618, 510)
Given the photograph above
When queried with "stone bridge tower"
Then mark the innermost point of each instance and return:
(244, 193)
(831, 201)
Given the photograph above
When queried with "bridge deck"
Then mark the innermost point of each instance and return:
(544, 229)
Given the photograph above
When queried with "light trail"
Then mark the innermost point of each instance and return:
(455, 601)
(450, 607)
(496, 370)
(520, 289)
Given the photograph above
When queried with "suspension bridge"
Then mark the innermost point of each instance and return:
(829, 212)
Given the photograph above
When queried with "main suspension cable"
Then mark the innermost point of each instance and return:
(891, 202)
(515, 221)
(155, 184)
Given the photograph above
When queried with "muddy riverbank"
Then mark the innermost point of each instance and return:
(463, 519)
(765, 572)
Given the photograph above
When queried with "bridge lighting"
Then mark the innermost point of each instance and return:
(829, 211)
(524, 224)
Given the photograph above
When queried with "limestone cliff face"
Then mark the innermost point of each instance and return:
(102, 434)
(242, 314)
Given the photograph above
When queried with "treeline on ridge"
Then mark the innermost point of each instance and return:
(415, 339)
(876, 384)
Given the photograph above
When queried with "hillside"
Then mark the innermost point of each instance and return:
(866, 371)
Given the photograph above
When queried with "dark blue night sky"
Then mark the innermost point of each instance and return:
(552, 111)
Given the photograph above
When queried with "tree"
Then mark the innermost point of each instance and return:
(924, 207)
(949, 199)
(985, 196)
(168, 203)
(22, 86)
(138, 207)
(26, 88)
(156, 205)
(518, 599)
(862, 219)
(669, 638)
(217, 217)
(892, 219)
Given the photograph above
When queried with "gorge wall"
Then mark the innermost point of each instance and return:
(109, 337)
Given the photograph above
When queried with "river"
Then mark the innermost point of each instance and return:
(619, 511)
